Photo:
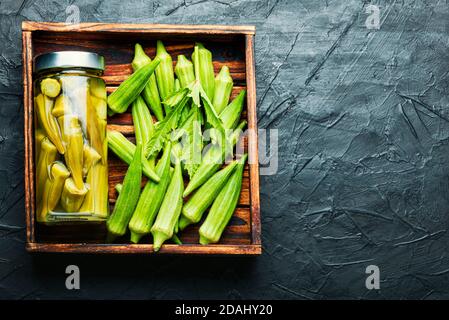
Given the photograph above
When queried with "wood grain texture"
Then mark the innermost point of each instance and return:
(170, 29)
(253, 155)
(27, 53)
(116, 43)
(216, 249)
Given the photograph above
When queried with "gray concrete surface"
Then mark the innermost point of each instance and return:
(363, 120)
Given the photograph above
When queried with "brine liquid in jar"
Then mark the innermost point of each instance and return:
(71, 168)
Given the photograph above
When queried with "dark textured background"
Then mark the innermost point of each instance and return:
(363, 120)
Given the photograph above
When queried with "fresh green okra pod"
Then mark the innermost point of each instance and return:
(150, 93)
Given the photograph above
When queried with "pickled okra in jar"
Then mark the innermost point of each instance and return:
(70, 109)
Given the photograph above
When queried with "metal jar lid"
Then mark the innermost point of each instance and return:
(68, 59)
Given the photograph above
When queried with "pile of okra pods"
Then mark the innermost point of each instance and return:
(187, 101)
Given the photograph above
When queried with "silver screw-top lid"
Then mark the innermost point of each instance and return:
(68, 59)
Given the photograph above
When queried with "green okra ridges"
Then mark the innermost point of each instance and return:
(72, 197)
(74, 151)
(125, 149)
(212, 161)
(230, 115)
(52, 190)
(151, 198)
(131, 88)
(150, 93)
(117, 223)
(143, 123)
(195, 207)
(163, 227)
(164, 72)
(184, 71)
(223, 207)
(204, 70)
(47, 156)
(223, 89)
(44, 106)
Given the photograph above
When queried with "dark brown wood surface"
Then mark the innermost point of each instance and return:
(231, 46)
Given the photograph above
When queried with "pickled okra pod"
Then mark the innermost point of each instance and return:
(90, 158)
(47, 156)
(223, 89)
(150, 93)
(72, 197)
(131, 88)
(194, 208)
(164, 72)
(163, 227)
(125, 150)
(223, 206)
(184, 71)
(117, 223)
(97, 88)
(74, 151)
(50, 87)
(44, 106)
(96, 199)
(39, 136)
(151, 198)
(52, 190)
(96, 130)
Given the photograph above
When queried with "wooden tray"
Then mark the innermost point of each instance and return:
(230, 45)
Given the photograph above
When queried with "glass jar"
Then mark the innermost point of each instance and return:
(70, 137)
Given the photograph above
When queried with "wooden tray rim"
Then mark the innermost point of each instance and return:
(255, 248)
(139, 27)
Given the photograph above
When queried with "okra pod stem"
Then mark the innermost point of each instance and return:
(63, 106)
(50, 87)
(195, 207)
(128, 198)
(151, 199)
(223, 89)
(169, 211)
(150, 93)
(164, 72)
(90, 158)
(223, 207)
